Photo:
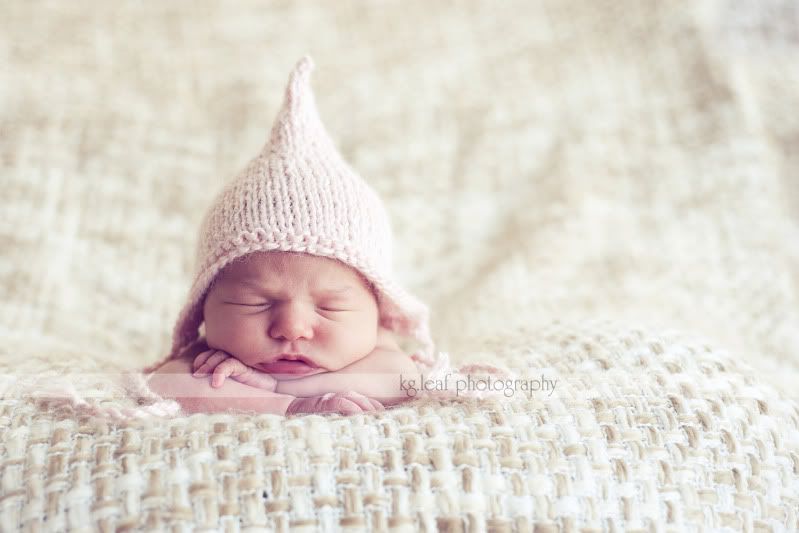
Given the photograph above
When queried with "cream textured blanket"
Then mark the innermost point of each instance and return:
(606, 193)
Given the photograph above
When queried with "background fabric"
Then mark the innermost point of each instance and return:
(605, 190)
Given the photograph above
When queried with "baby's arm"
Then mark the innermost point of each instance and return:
(174, 380)
(379, 376)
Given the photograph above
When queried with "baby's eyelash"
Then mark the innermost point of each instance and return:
(250, 305)
(269, 304)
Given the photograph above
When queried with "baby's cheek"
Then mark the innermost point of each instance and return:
(229, 333)
(348, 345)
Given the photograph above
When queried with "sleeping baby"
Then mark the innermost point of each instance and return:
(294, 286)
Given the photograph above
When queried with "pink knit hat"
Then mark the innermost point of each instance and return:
(299, 195)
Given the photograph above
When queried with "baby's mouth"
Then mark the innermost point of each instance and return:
(289, 364)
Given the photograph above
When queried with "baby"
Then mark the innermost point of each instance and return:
(294, 286)
(301, 326)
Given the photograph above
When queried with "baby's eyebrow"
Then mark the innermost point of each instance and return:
(248, 282)
(335, 291)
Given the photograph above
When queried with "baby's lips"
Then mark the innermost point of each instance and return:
(283, 366)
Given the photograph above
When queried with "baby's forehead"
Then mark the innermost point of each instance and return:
(280, 268)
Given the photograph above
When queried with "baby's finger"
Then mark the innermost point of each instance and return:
(359, 399)
(376, 406)
(345, 406)
(201, 358)
(219, 376)
(212, 362)
(225, 369)
(200, 367)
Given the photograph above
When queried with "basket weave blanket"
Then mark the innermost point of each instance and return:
(605, 194)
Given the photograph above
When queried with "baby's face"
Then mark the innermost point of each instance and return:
(291, 313)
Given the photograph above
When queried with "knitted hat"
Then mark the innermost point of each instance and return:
(299, 195)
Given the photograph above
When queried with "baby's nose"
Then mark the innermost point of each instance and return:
(291, 323)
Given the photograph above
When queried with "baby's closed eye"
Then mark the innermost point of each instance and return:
(267, 305)
(250, 303)
(333, 308)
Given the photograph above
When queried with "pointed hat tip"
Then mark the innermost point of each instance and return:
(299, 79)
(304, 66)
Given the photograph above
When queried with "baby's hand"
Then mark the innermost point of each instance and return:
(223, 365)
(346, 403)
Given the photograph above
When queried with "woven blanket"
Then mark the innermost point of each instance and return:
(603, 193)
